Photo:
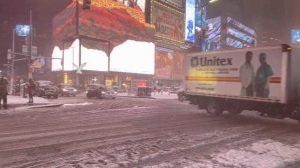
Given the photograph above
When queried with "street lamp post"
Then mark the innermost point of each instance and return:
(12, 72)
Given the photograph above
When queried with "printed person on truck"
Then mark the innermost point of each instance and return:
(263, 76)
(247, 76)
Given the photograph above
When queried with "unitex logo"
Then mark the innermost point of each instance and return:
(215, 61)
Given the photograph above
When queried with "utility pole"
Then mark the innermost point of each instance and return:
(12, 72)
(30, 45)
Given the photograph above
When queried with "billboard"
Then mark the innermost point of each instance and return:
(163, 63)
(225, 32)
(200, 14)
(227, 73)
(295, 34)
(178, 4)
(133, 57)
(190, 21)
(168, 22)
(139, 5)
(177, 65)
(22, 30)
(68, 60)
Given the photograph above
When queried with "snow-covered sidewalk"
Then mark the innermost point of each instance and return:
(17, 101)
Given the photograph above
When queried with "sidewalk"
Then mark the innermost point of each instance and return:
(18, 101)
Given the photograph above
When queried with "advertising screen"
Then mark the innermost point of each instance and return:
(163, 63)
(213, 41)
(173, 3)
(295, 36)
(240, 35)
(200, 14)
(227, 73)
(22, 30)
(136, 4)
(133, 57)
(190, 21)
(239, 25)
(169, 23)
(91, 59)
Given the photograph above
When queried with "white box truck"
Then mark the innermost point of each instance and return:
(264, 79)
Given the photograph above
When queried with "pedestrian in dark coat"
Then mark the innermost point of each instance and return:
(3, 91)
(30, 90)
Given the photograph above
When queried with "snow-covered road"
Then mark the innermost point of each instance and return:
(143, 133)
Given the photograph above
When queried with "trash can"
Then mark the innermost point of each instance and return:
(143, 91)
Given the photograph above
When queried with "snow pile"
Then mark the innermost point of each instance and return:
(263, 154)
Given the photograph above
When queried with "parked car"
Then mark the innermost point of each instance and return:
(67, 90)
(46, 88)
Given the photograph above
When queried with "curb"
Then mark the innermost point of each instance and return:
(45, 106)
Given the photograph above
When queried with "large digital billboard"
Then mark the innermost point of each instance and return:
(225, 32)
(169, 23)
(190, 21)
(68, 60)
(22, 30)
(178, 4)
(200, 14)
(139, 5)
(133, 57)
(163, 63)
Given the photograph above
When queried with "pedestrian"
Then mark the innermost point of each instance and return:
(3, 91)
(30, 90)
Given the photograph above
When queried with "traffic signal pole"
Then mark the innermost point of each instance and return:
(12, 72)
(30, 46)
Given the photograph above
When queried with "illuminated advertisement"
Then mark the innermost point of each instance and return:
(139, 5)
(64, 24)
(22, 30)
(295, 36)
(114, 22)
(169, 23)
(239, 25)
(133, 57)
(177, 65)
(200, 14)
(213, 41)
(173, 3)
(68, 60)
(163, 63)
(106, 21)
(225, 32)
(190, 21)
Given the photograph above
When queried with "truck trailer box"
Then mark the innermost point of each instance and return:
(234, 81)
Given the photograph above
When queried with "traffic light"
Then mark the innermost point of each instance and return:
(86, 4)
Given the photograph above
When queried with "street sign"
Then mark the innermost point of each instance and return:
(9, 55)
(25, 50)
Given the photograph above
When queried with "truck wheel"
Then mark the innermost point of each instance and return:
(235, 109)
(213, 108)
